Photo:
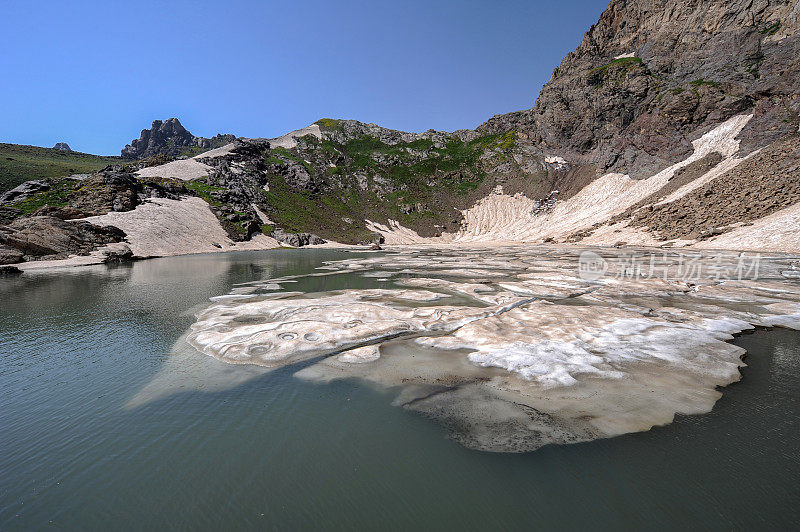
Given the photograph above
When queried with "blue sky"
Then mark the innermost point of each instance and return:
(94, 74)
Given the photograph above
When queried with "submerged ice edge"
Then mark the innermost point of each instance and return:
(541, 330)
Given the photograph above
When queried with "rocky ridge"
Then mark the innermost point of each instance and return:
(170, 138)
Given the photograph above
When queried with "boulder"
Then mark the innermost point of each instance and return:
(62, 146)
(25, 190)
(122, 254)
(7, 271)
(51, 237)
(297, 239)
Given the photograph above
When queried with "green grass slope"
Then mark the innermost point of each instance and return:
(19, 163)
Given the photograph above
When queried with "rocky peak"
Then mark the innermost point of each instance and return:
(62, 146)
(165, 138)
(170, 138)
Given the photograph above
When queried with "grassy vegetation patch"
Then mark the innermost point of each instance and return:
(19, 163)
(625, 62)
(504, 141)
(205, 191)
(330, 124)
(293, 208)
(771, 29)
(57, 196)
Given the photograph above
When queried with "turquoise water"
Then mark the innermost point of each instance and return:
(269, 450)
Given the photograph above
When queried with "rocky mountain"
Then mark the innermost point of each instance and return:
(649, 79)
(673, 123)
(170, 138)
(652, 74)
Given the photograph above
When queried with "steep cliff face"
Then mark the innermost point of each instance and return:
(652, 75)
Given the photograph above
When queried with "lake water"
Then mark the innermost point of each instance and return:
(102, 426)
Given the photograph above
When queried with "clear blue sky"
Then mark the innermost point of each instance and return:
(94, 74)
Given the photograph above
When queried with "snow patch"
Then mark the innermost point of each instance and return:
(289, 140)
(162, 227)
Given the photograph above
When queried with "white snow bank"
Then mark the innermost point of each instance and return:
(778, 232)
(289, 140)
(186, 169)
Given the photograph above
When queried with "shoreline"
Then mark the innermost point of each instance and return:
(100, 256)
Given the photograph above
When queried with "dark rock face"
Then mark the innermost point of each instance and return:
(62, 146)
(171, 139)
(106, 191)
(696, 64)
(168, 138)
(53, 238)
(297, 239)
(8, 271)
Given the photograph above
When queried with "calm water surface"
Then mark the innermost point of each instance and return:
(211, 446)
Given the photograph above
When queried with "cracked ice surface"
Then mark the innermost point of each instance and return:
(510, 348)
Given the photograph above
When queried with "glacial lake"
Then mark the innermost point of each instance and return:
(102, 426)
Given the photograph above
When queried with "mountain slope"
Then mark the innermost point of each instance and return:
(20, 163)
(652, 75)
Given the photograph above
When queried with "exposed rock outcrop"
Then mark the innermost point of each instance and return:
(297, 239)
(53, 238)
(170, 138)
(62, 146)
(25, 190)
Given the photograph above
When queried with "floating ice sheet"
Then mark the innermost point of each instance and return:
(510, 348)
